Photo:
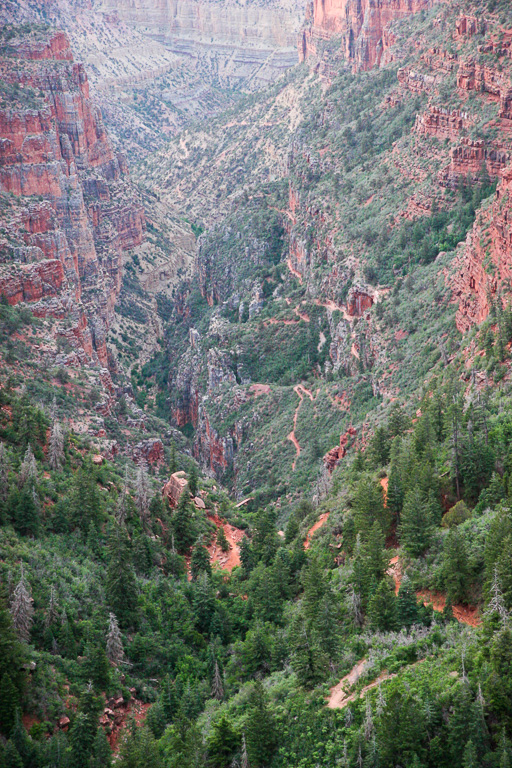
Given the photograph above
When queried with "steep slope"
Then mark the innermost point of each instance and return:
(69, 211)
(318, 203)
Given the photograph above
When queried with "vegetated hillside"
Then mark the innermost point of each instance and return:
(332, 207)
(339, 359)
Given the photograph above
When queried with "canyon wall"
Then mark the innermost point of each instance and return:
(249, 43)
(483, 268)
(69, 211)
(362, 26)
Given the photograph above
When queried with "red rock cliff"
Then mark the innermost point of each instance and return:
(484, 264)
(363, 26)
(73, 210)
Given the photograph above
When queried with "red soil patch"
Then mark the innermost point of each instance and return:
(384, 485)
(395, 572)
(464, 614)
(133, 710)
(29, 720)
(260, 389)
(321, 520)
(226, 560)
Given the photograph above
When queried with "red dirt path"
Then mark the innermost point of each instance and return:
(300, 391)
(321, 520)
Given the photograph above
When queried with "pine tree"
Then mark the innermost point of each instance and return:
(27, 513)
(12, 652)
(375, 556)
(82, 740)
(28, 470)
(261, 738)
(200, 561)
(407, 605)
(22, 610)
(246, 555)
(9, 704)
(22, 742)
(4, 474)
(183, 525)
(115, 652)
(382, 607)
(222, 744)
(12, 757)
(192, 481)
(122, 501)
(53, 609)
(142, 494)
(222, 541)
(217, 687)
(84, 501)
(120, 582)
(56, 447)
(455, 566)
(245, 758)
(369, 506)
(101, 752)
(415, 524)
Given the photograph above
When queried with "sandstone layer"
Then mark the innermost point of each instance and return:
(71, 213)
(362, 25)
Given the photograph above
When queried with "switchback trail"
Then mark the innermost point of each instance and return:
(339, 695)
(300, 391)
(321, 520)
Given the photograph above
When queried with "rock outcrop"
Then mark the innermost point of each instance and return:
(73, 213)
(149, 452)
(174, 487)
(469, 159)
(473, 76)
(442, 123)
(362, 25)
(334, 456)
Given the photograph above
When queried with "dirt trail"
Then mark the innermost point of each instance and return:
(384, 485)
(329, 304)
(300, 391)
(395, 571)
(294, 271)
(339, 696)
(303, 315)
(321, 520)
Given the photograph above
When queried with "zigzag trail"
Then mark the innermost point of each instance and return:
(300, 391)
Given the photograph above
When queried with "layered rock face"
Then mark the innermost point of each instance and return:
(484, 264)
(251, 42)
(73, 213)
(362, 25)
